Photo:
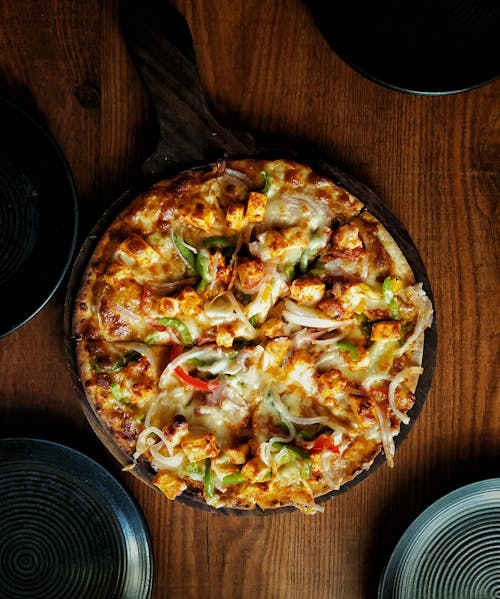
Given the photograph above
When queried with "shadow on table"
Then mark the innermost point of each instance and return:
(37, 423)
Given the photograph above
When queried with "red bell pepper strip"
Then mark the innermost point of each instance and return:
(192, 381)
(324, 442)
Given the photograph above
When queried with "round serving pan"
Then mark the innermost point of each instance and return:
(191, 138)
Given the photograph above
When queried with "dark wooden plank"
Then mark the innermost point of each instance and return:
(265, 68)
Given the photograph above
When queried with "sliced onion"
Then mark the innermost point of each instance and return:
(298, 201)
(233, 261)
(325, 469)
(239, 176)
(386, 434)
(150, 412)
(214, 266)
(207, 410)
(272, 287)
(370, 379)
(327, 340)
(315, 337)
(423, 305)
(265, 452)
(163, 462)
(307, 317)
(394, 384)
(239, 313)
(144, 442)
(289, 417)
(365, 268)
(331, 359)
(339, 267)
(223, 365)
(220, 310)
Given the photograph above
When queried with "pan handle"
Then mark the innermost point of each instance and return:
(160, 44)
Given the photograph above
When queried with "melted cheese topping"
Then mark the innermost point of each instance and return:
(252, 333)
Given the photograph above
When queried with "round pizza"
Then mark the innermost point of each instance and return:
(251, 331)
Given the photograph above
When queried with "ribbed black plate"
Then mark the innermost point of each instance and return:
(38, 217)
(68, 529)
(451, 551)
(420, 46)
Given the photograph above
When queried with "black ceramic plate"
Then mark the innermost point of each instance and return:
(68, 529)
(452, 550)
(421, 46)
(38, 217)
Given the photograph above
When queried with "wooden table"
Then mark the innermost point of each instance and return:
(433, 160)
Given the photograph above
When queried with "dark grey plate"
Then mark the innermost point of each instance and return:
(38, 217)
(451, 551)
(68, 529)
(421, 46)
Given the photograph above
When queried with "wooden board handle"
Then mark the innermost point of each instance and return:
(160, 44)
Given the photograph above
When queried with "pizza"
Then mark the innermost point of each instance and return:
(252, 332)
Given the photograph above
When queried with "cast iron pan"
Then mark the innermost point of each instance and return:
(38, 217)
(189, 136)
(431, 47)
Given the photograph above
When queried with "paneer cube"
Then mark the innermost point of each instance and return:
(238, 454)
(386, 329)
(256, 207)
(255, 470)
(347, 237)
(250, 271)
(300, 370)
(199, 447)
(307, 290)
(224, 337)
(332, 307)
(169, 484)
(189, 302)
(273, 327)
(331, 382)
(271, 245)
(168, 306)
(278, 349)
(235, 216)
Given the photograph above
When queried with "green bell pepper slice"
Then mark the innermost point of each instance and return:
(186, 252)
(235, 478)
(181, 328)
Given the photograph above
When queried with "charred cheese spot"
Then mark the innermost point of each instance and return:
(198, 213)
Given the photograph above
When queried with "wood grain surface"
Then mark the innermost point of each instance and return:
(265, 68)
